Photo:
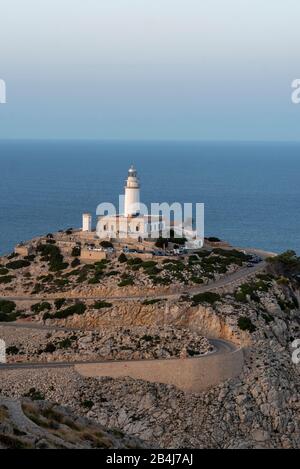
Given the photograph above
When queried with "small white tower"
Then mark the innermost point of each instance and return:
(86, 222)
(132, 194)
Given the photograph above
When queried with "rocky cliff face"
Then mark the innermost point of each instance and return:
(261, 407)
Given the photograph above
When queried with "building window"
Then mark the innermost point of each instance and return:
(137, 228)
(104, 227)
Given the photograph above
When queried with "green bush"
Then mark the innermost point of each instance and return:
(77, 308)
(34, 394)
(106, 244)
(3, 271)
(207, 297)
(87, 404)
(286, 264)
(134, 261)
(76, 251)
(151, 302)
(53, 256)
(7, 317)
(125, 282)
(50, 348)
(19, 264)
(6, 279)
(101, 304)
(46, 315)
(39, 307)
(245, 324)
(59, 302)
(65, 343)
(197, 280)
(122, 258)
(161, 243)
(75, 262)
(7, 306)
(12, 350)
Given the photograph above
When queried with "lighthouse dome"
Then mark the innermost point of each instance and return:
(132, 171)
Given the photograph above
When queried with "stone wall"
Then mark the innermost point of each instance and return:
(189, 375)
(92, 255)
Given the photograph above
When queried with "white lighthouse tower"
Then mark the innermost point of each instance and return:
(132, 194)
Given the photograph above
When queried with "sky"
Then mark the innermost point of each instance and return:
(150, 69)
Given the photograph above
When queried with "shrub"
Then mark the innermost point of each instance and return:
(76, 251)
(19, 264)
(46, 315)
(161, 243)
(65, 343)
(59, 302)
(286, 264)
(7, 306)
(102, 304)
(7, 317)
(12, 255)
(34, 394)
(37, 288)
(53, 256)
(38, 307)
(147, 338)
(87, 404)
(3, 271)
(245, 324)
(12, 350)
(106, 244)
(75, 262)
(213, 239)
(125, 282)
(195, 279)
(6, 278)
(134, 261)
(50, 348)
(207, 297)
(122, 258)
(77, 308)
(148, 264)
(151, 302)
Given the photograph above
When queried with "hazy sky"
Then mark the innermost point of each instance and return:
(150, 69)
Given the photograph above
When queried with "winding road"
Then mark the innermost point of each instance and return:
(220, 347)
(222, 282)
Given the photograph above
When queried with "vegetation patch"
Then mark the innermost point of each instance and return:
(77, 308)
(245, 324)
(19, 264)
(206, 297)
(6, 279)
(39, 307)
(102, 304)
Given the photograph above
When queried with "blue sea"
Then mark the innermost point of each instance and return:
(251, 191)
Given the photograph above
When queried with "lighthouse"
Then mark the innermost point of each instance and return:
(132, 194)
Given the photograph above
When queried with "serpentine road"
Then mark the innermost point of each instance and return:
(223, 282)
(220, 347)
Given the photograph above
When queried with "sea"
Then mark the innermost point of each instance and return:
(251, 191)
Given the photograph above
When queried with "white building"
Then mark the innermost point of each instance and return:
(132, 223)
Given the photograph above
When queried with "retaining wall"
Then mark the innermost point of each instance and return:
(188, 374)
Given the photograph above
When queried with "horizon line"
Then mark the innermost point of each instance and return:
(152, 140)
